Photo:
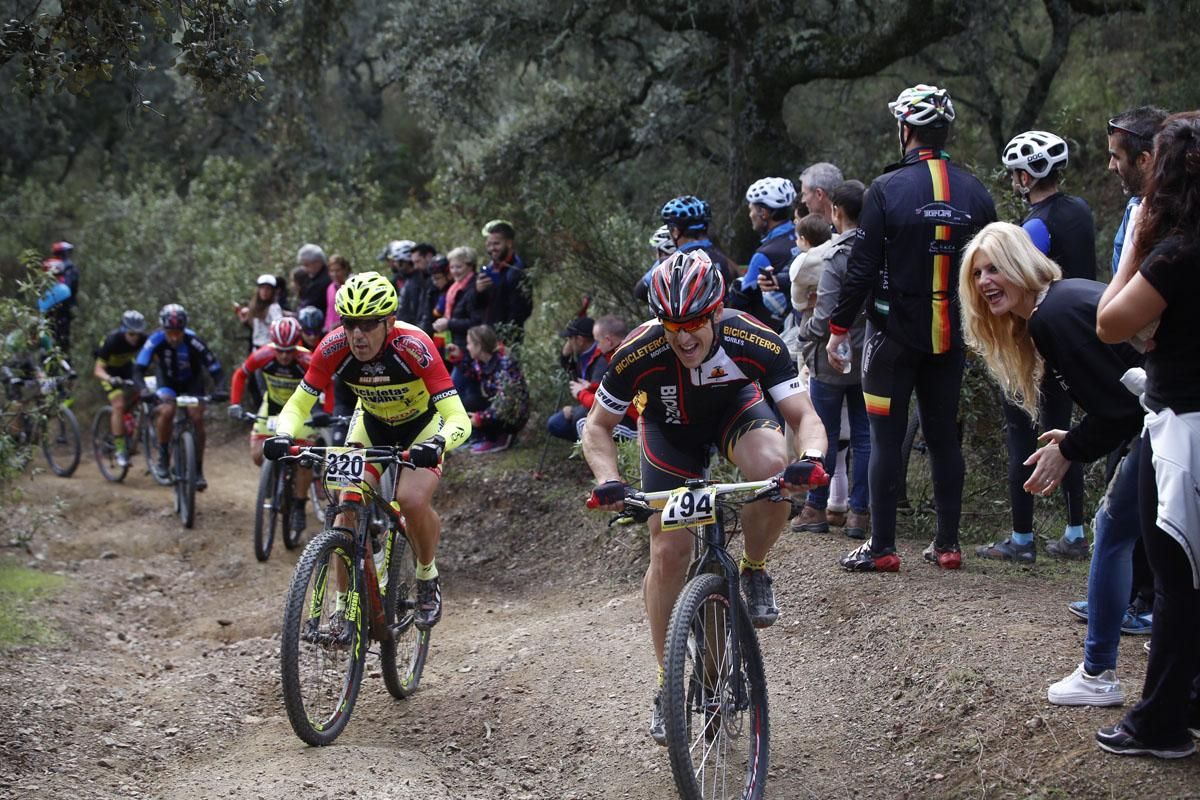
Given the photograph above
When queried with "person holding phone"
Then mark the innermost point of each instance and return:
(500, 290)
(764, 288)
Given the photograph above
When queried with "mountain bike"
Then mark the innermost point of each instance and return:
(54, 425)
(276, 492)
(350, 587)
(138, 430)
(184, 467)
(715, 689)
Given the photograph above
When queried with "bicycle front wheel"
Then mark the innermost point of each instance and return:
(285, 501)
(324, 643)
(403, 657)
(264, 510)
(105, 449)
(185, 478)
(715, 705)
(62, 443)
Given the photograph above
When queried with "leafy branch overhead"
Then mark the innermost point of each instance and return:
(88, 41)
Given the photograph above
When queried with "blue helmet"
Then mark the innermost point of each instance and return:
(688, 213)
(311, 319)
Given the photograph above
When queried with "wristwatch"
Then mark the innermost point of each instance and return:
(813, 454)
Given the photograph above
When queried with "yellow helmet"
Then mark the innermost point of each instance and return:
(366, 294)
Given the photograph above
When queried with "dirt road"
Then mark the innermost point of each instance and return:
(922, 684)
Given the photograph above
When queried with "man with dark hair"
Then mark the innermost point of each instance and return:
(500, 290)
(916, 219)
(422, 255)
(1130, 155)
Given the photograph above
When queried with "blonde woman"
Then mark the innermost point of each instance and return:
(1026, 322)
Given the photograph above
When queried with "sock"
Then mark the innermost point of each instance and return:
(749, 563)
(1022, 539)
(1073, 533)
(119, 443)
(427, 572)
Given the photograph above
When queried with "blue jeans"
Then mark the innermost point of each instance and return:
(1117, 529)
(827, 399)
(468, 389)
(563, 427)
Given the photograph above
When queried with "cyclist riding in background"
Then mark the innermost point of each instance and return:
(282, 363)
(114, 368)
(182, 359)
(405, 399)
(312, 326)
(697, 374)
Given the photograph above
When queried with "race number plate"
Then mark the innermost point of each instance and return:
(343, 468)
(690, 508)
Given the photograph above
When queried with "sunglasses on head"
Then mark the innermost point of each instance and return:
(687, 326)
(1114, 126)
(364, 325)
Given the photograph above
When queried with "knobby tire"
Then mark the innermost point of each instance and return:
(264, 511)
(185, 478)
(285, 500)
(320, 678)
(403, 657)
(716, 750)
(62, 442)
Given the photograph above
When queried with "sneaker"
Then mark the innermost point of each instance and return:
(811, 520)
(836, 517)
(1082, 689)
(1008, 550)
(429, 604)
(492, 446)
(1116, 739)
(945, 557)
(201, 482)
(1079, 608)
(858, 524)
(658, 725)
(122, 459)
(1146, 647)
(163, 465)
(298, 519)
(1136, 624)
(760, 597)
(864, 559)
(1077, 550)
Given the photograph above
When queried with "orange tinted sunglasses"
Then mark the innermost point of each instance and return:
(689, 326)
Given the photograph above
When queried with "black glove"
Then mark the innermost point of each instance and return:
(806, 472)
(276, 447)
(321, 420)
(608, 493)
(427, 454)
(236, 412)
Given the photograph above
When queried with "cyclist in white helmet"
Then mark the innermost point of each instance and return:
(664, 246)
(764, 288)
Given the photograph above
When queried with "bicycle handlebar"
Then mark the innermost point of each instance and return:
(641, 501)
(378, 454)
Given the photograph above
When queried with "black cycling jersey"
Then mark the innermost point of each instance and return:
(1063, 328)
(646, 368)
(916, 219)
(117, 354)
(1063, 228)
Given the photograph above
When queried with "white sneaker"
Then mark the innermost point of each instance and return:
(1081, 689)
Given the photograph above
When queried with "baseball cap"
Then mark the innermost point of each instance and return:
(266, 280)
(580, 326)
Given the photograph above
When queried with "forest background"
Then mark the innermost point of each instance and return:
(185, 147)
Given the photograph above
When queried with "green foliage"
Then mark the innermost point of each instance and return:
(21, 592)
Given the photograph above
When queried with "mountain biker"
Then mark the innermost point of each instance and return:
(182, 359)
(405, 398)
(764, 289)
(114, 368)
(687, 218)
(916, 218)
(701, 371)
(663, 246)
(312, 326)
(283, 363)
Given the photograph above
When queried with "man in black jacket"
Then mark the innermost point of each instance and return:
(501, 291)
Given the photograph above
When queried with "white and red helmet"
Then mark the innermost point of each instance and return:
(285, 333)
(686, 286)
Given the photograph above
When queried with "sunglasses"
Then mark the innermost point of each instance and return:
(364, 325)
(1142, 138)
(688, 326)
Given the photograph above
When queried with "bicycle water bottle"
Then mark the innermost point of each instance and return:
(844, 353)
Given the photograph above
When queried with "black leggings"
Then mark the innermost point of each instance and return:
(1022, 441)
(1171, 694)
(891, 372)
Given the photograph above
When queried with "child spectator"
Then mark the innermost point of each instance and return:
(502, 386)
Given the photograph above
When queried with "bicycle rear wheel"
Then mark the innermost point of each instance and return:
(265, 515)
(285, 501)
(105, 449)
(719, 746)
(185, 478)
(62, 443)
(321, 659)
(402, 658)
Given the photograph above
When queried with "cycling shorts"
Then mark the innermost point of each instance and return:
(671, 454)
(265, 428)
(367, 430)
(169, 391)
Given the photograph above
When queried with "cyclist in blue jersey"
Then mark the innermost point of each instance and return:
(182, 360)
(687, 218)
(764, 289)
